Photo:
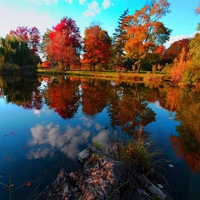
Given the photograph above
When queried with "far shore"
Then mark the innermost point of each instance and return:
(111, 75)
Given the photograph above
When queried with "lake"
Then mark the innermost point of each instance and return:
(46, 121)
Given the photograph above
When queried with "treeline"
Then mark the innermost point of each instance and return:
(19, 50)
(137, 44)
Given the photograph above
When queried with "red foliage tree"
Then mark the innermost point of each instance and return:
(175, 49)
(65, 43)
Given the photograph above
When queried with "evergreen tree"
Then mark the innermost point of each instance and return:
(119, 40)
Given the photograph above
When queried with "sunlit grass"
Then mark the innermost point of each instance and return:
(137, 154)
(112, 75)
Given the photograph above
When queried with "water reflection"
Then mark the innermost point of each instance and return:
(63, 96)
(186, 144)
(56, 117)
(47, 138)
(22, 91)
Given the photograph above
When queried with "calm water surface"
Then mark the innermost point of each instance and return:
(46, 121)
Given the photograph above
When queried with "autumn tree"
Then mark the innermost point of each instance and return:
(145, 32)
(175, 49)
(118, 43)
(179, 66)
(154, 58)
(186, 70)
(65, 43)
(97, 45)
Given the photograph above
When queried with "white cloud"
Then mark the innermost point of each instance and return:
(93, 9)
(37, 112)
(82, 2)
(87, 121)
(16, 17)
(98, 127)
(48, 2)
(106, 4)
(35, 1)
(69, 1)
(88, 13)
(102, 138)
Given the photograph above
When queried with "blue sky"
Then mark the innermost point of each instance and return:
(47, 13)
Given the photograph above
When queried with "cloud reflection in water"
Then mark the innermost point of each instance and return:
(50, 138)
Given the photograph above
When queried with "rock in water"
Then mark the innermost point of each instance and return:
(84, 155)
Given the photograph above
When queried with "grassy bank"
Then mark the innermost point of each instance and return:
(112, 75)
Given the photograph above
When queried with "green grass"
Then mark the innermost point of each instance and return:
(111, 75)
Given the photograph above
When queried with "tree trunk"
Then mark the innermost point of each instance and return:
(138, 67)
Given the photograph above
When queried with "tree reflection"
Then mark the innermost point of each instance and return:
(131, 111)
(187, 147)
(22, 91)
(187, 106)
(63, 95)
(94, 96)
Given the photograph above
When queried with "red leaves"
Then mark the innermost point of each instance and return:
(22, 32)
(97, 45)
(65, 42)
(30, 35)
(27, 184)
(160, 50)
(46, 64)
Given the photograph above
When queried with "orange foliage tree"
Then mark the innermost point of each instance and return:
(175, 49)
(97, 45)
(145, 32)
(180, 64)
(65, 43)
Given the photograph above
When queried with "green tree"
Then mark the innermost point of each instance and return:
(2, 52)
(118, 43)
(195, 49)
(16, 51)
(144, 32)
(43, 45)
